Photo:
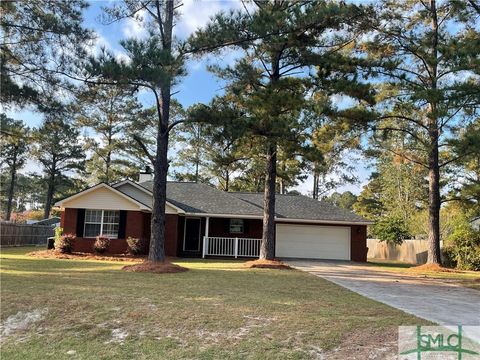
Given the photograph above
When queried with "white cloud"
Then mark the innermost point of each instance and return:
(135, 27)
(94, 47)
(196, 14)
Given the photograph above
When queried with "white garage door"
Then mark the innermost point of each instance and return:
(313, 242)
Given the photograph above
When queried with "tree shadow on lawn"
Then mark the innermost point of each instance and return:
(216, 308)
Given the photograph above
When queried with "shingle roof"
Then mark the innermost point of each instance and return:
(302, 207)
(200, 198)
(50, 221)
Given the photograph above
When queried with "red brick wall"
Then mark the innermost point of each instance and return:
(171, 235)
(358, 243)
(220, 227)
(134, 224)
(137, 225)
(69, 221)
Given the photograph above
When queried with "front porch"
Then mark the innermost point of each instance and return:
(236, 247)
(222, 237)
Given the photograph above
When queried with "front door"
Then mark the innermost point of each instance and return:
(191, 240)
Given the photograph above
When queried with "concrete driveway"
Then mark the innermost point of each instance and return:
(431, 299)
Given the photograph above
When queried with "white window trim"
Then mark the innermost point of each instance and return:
(101, 224)
(236, 232)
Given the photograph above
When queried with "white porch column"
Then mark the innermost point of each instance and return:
(236, 247)
(205, 238)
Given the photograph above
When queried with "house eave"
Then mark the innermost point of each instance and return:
(141, 206)
(146, 191)
(332, 222)
(280, 219)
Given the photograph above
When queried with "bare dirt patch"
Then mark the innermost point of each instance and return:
(155, 267)
(52, 254)
(21, 321)
(118, 336)
(267, 264)
(362, 345)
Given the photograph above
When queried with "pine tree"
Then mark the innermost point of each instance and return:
(40, 40)
(155, 64)
(426, 55)
(14, 147)
(465, 175)
(57, 149)
(106, 112)
(281, 40)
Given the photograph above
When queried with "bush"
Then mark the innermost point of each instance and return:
(463, 247)
(58, 232)
(136, 246)
(448, 257)
(101, 244)
(64, 243)
(391, 229)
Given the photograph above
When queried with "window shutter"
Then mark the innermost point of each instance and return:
(226, 225)
(245, 226)
(80, 222)
(122, 224)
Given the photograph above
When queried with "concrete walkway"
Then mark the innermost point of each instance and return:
(431, 299)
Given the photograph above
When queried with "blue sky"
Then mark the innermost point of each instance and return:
(199, 86)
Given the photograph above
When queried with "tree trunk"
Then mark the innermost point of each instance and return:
(267, 248)
(160, 164)
(434, 207)
(157, 240)
(11, 189)
(315, 183)
(227, 181)
(196, 170)
(50, 191)
(433, 162)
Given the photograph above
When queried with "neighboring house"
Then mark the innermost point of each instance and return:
(204, 221)
(53, 222)
(475, 223)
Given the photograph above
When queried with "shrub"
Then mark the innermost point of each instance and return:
(448, 257)
(64, 243)
(391, 229)
(135, 246)
(101, 244)
(463, 246)
(58, 233)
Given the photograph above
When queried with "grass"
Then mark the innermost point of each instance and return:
(216, 310)
(465, 278)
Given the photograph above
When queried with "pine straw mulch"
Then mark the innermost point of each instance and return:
(267, 264)
(433, 268)
(155, 267)
(52, 254)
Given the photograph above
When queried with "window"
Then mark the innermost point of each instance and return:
(236, 226)
(101, 222)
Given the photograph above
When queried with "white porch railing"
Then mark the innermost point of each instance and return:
(236, 247)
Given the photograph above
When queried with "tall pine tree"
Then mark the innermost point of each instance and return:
(107, 113)
(14, 146)
(57, 149)
(282, 42)
(426, 53)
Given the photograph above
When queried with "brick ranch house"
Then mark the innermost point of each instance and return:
(204, 221)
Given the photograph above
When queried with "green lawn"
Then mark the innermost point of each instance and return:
(85, 309)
